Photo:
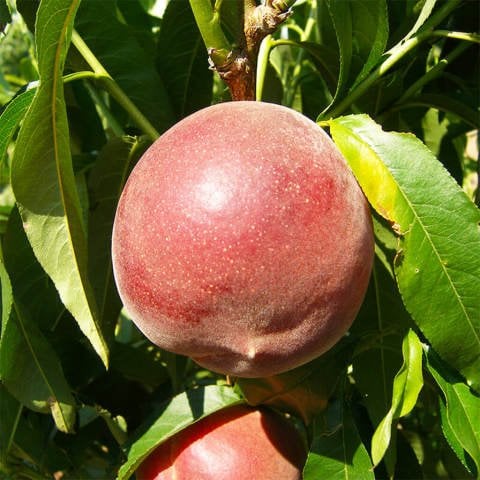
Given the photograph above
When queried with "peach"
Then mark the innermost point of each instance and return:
(237, 443)
(243, 240)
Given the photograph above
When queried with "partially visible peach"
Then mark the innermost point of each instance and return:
(242, 240)
(237, 443)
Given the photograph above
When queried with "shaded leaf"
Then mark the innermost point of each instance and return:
(5, 17)
(381, 325)
(29, 367)
(453, 441)
(106, 181)
(303, 391)
(116, 425)
(361, 28)
(408, 466)
(382, 322)
(180, 412)
(51, 209)
(34, 445)
(341, 14)
(141, 363)
(117, 48)
(33, 289)
(10, 410)
(176, 366)
(370, 36)
(325, 59)
(337, 450)
(440, 236)
(463, 111)
(461, 417)
(272, 89)
(406, 387)
(182, 60)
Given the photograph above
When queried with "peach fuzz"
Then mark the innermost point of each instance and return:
(243, 240)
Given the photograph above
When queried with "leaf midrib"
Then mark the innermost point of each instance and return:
(437, 254)
(55, 87)
(38, 363)
(425, 231)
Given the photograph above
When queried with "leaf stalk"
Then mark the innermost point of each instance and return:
(112, 87)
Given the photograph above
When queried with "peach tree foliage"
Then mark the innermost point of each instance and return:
(85, 88)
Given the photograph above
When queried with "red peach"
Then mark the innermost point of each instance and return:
(243, 240)
(237, 443)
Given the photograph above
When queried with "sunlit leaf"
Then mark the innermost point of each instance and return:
(43, 180)
(424, 14)
(406, 387)
(439, 249)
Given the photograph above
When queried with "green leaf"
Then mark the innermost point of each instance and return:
(182, 60)
(43, 181)
(303, 391)
(423, 16)
(118, 50)
(381, 325)
(10, 411)
(33, 289)
(176, 366)
(106, 181)
(116, 425)
(438, 263)
(406, 387)
(361, 28)
(34, 445)
(452, 439)
(337, 453)
(140, 363)
(463, 111)
(370, 36)
(180, 412)
(29, 367)
(11, 117)
(341, 14)
(461, 416)
(5, 17)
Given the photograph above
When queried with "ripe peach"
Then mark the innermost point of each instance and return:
(238, 443)
(242, 240)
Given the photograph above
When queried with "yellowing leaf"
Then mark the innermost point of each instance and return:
(439, 249)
